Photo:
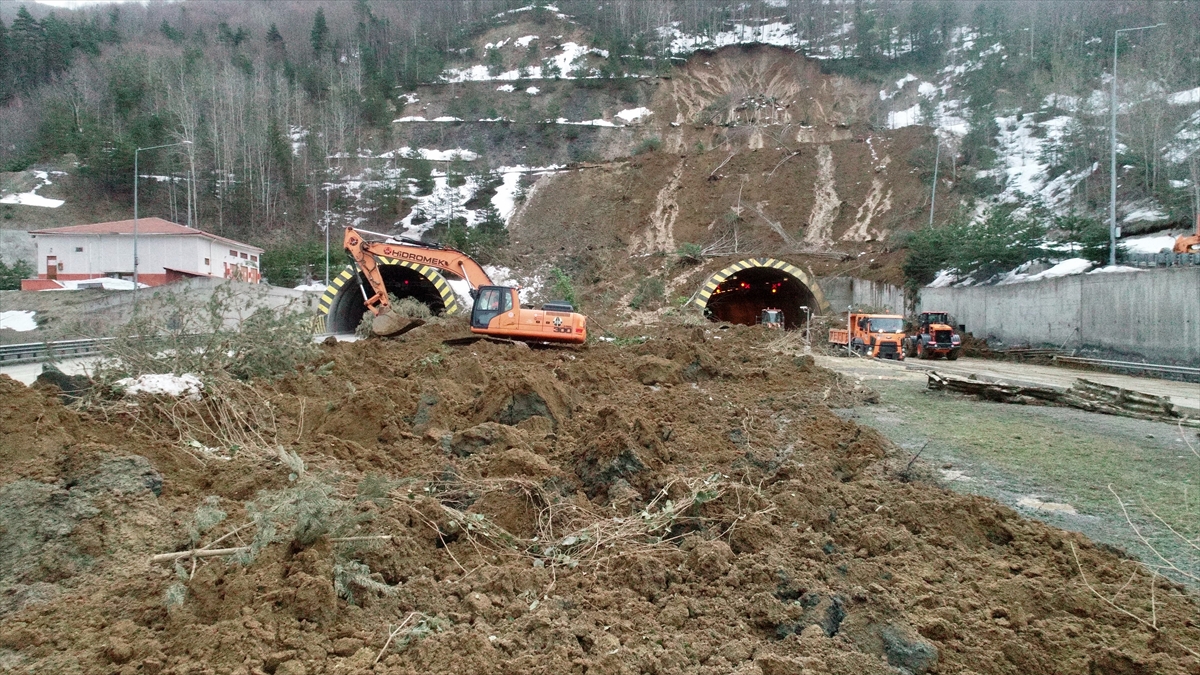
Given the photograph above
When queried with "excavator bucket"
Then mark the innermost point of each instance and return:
(390, 324)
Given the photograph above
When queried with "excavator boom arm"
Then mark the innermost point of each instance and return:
(366, 255)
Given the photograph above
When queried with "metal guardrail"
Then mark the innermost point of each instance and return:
(1162, 259)
(1151, 368)
(34, 352)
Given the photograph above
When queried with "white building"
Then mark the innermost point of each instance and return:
(166, 252)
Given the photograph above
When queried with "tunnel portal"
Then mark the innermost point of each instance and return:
(342, 303)
(740, 292)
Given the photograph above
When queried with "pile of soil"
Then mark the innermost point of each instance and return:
(683, 504)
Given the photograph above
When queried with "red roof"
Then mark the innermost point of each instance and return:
(146, 226)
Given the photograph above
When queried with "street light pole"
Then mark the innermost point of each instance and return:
(937, 159)
(1112, 169)
(135, 205)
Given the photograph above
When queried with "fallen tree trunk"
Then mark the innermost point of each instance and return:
(1084, 395)
(994, 391)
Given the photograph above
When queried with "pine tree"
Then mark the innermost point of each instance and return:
(5, 85)
(173, 34)
(25, 41)
(58, 39)
(276, 49)
(320, 32)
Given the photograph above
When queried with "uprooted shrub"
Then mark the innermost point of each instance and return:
(215, 344)
(308, 510)
(228, 332)
(407, 306)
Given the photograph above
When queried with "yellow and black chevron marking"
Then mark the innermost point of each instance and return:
(430, 273)
(717, 279)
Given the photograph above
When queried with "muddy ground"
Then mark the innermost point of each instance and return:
(686, 504)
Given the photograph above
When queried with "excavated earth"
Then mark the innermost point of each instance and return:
(721, 520)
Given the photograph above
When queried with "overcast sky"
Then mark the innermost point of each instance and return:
(72, 4)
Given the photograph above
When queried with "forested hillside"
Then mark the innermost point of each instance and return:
(388, 113)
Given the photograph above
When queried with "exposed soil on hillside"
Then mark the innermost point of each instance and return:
(687, 504)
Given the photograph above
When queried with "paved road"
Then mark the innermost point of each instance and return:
(1182, 394)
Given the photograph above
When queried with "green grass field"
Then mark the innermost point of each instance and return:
(1057, 455)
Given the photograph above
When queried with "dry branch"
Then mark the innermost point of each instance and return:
(214, 552)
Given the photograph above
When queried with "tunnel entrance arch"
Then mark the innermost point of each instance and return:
(739, 292)
(341, 305)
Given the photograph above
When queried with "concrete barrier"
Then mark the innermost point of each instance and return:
(842, 292)
(1155, 313)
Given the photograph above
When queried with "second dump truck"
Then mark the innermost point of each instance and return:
(878, 335)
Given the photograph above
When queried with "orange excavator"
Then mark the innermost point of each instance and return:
(497, 310)
(1189, 243)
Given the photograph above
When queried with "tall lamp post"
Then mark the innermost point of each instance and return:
(1112, 170)
(135, 204)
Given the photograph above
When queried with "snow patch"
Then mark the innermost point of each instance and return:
(1185, 97)
(175, 386)
(508, 88)
(104, 283)
(904, 118)
(1068, 267)
(1065, 268)
(19, 320)
(567, 64)
(432, 155)
(524, 40)
(634, 114)
(1148, 214)
(311, 287)
(533, 91)
(298, 136)
(1148, 244)
(32, 198)
(1117, 269)
(778, 34)
(528, 285)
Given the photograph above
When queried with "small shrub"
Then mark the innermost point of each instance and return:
(690, 254)
(175, 595)
(11, 275)
(649, 291)
(231, 333)
(650, 144)
(354, 575)
(208, 515)
(563, 288)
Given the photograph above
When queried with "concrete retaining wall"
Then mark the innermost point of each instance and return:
(842, 292)
(17, 245)
(1155, 313)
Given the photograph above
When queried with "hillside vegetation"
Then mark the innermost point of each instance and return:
(432, 117)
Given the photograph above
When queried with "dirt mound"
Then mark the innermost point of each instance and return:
(682, 504)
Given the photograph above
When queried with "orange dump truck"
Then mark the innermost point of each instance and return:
(878, 335)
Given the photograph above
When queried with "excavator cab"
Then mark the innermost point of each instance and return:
(490, 302)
